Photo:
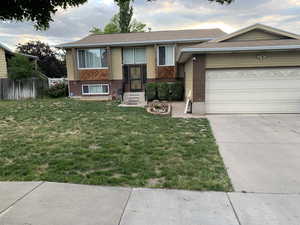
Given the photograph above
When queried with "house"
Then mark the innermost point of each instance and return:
(253, 70)
(5, 54)
(20, 89)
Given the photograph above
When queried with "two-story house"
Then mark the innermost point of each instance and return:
(253, 70)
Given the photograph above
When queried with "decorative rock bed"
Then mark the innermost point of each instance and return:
(159, 108)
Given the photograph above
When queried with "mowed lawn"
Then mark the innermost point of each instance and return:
(100, 143)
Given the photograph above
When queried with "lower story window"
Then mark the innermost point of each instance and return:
(95, 89)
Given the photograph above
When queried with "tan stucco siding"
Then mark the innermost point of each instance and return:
(188, 68)
(256, 35)
(151, 62)
(3, 64)
(116, 55)
(71, 66)
(253, 60)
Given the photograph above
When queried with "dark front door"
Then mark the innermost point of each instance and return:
(136, 78)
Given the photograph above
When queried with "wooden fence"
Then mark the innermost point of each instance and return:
(22, 89)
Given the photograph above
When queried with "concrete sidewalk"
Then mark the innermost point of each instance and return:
(43, 203)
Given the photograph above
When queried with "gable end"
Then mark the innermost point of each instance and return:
(257, 35)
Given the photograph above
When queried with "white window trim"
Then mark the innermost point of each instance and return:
(134, 56)
(94, 93)
(90, 68)
(157, 55)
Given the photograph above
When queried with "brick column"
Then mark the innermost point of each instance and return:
(199, 78)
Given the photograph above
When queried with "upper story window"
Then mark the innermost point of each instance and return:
(94, 58)
(166, 55)
(134, 56)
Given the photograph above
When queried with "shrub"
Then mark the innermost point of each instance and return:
(176, 91)
(151, 91)
(57, 90)
(163, 91)
(20, 67)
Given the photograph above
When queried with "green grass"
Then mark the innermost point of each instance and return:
(100, 143)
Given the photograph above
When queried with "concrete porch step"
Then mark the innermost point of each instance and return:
(134, 98)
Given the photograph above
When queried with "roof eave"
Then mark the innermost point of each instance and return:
(71, 45)
(14, 53)
(190, 51)
(256, 48)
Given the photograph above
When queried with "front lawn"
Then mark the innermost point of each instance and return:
(100, 143)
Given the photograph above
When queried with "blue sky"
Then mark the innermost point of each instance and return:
(75, 23)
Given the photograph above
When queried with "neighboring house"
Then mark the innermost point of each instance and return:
(10, 89)
(253, 70)
(5, 54)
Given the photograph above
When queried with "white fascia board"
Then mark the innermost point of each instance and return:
(232, 49)
(133, 43)
(10, 51)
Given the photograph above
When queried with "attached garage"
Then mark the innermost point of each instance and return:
(253, 90)
(254, 70)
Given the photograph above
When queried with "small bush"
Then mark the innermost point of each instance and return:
(58, 90)
(151, 91)
(163, 91)
(20, 67)
(176, 91)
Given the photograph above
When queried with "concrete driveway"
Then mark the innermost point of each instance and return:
(261, 152)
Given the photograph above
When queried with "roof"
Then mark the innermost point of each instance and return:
(13, 53)
(244, 45)
(260, 27)
(220, 45)
(143, 38)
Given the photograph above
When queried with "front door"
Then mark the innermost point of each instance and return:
(135, 78)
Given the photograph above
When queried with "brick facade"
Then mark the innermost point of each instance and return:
(94, 74)
(166, 72)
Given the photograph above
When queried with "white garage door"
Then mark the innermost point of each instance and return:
(267, 90)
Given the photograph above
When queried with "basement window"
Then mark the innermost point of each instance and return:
(95, 89)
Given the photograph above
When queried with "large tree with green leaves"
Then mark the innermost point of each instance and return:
(125, 14)
(51, 61)
(114, 26)
(38, 11)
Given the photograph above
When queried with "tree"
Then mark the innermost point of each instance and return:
(20, 67)
(39, 12)
(136, 26)
(125, 14)
(114, 26)
(51, 62)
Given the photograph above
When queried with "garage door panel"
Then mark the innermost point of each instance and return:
(253, 84)
(258, 95)
(275, 90)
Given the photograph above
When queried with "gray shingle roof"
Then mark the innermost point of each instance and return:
(147, 37)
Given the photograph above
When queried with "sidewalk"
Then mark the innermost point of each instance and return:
(44, 203)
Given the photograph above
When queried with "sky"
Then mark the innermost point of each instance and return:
(75, 23)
